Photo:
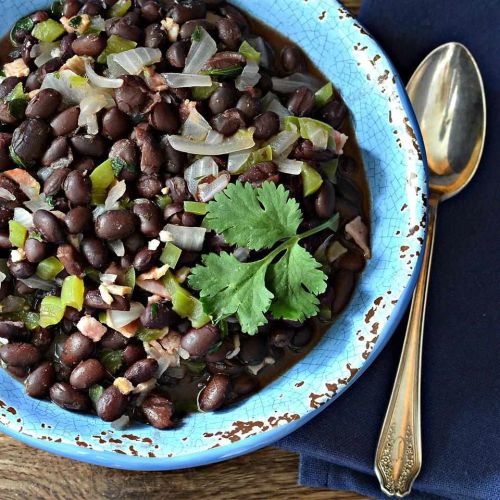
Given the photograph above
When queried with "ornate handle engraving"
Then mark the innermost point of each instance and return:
(399, 452)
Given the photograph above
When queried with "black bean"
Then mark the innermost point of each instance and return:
(35, 250)
(245, 384)
(115, 224)
(145, 259)
(302, 337)
(224, 60)
(343, 285)
(28, 43)
(65, 47)
(260, 172)
(78, 220)
(87, 373)
(42, 338)
(198, 341)
(70, 8)
(249, 106)
(233, 13)
(71, 260)
(44, 104)
(214, 393)
(349, 190)
(187, 29)
(281, 337)
(347, 166)
(126, 150)
(113, 340)
(306, 151)
(158, 315)
(59, 148)
(53, 183)
(20, 354)
(151, 152)
(186, 10)
(150, 218)
(77, 188)
(92, 8)
(176, 54)
(229, 121)
(154, 36)
(141, 371)
(292, 59)
(5, 140)
(223, 98)
(132, 95)
(49, 226)
(66, 121)
(13, 330)
(253, 349)
(164, 118)
(91, 145)
(148, 186)
(115, 124)
(124, 27)
(134, 242)
(352, 261)
(175, 159)
(63, 395)
(112, 404)
(12, 187)
(324, 204)
(94, 300)
(266, 125)
(229, 33)
(334, 112)
(301, 102)
(30, 139)
(346, 209)
(7, 85)
(158, 411)
(177, 189)
(76, 348)
(133, 353)
(40, 380)
(151, 11)
(89, 45)
(96, 253)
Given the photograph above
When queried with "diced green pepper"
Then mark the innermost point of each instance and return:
(196, 207)
(229, 72)
(48, 31)
(129, 278)
(17, 234)
(115, 45)
(323, 95)
(330, 169)
(195, 367)
(170, 255)
(72, 292)
(249, 52)
(163, 200)
(101, 178)
(49, 268)
(202, 93)
(95, 392)
(112, 360)
(51, 311)
(120, 8)
(311, 179)
(30, 319)
(319, 133)
(149, 334)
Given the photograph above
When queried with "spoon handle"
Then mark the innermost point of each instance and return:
(399, 451)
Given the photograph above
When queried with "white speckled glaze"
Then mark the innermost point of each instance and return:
(389, 139)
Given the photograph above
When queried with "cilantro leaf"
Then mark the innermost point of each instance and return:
(295, 280)
(228, 286)
(254, 218)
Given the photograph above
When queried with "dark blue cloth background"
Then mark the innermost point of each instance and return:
(461, 357)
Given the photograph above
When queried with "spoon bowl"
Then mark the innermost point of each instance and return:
(447, 95)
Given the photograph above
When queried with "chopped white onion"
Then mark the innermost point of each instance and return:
(270, 102)
(156, 287)
(121, 423)
(195, 127)
(207, 190)
(27, 184)
(249, 76)
(293, 82)
(118, 247)
(358, 231)
(98, 211)
(237, 346)
(6, 195)
(3, 277)
(101, 81)
(214, 137)
(118, 319)
(258, 43)
(42, 52)
(62, 82)
(243, 139)
(198, 170)
(182, 80)
(38, 203)
(292, 167)
(133, 61)
(187, 238)
(89, 107)
(24, 218)
(282, 141)
(241, 253)
(44, 172)
(236, 160)
(36, 283)
(200, 52)
(114, 194)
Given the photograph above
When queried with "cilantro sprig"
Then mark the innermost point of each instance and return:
(285, 282)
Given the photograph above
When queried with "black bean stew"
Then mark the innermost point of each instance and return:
(178, 222)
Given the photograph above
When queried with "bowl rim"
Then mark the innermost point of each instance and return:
(254, 442)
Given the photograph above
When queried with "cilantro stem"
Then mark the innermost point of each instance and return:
(331, 223)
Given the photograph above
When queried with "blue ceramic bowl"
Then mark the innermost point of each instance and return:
(393, 156)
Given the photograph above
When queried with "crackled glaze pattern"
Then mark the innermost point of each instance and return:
(396, 173)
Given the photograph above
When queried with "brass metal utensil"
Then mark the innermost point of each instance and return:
(447, 95)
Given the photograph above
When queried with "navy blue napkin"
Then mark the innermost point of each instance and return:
(461, 357)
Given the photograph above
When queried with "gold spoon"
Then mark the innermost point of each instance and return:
(447, 95)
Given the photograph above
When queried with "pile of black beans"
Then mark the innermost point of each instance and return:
(59, 362)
